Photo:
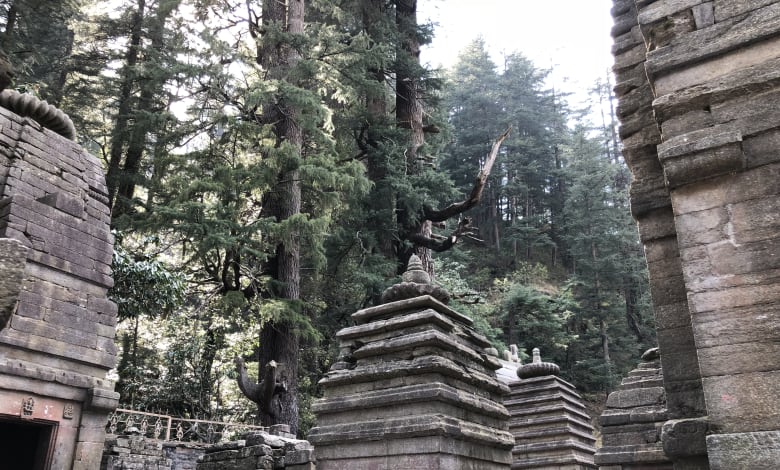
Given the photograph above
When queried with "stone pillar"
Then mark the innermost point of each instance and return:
(413, 389)
(548, 420)
(652, 208)
(713, 68)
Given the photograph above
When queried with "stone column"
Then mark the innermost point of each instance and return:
(714, 71)
(413, 389)
(651, 206)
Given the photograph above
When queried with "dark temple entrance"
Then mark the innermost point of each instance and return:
(26, 445)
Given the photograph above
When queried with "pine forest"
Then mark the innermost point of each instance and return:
(272, 166)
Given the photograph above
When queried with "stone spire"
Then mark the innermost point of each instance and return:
(414, 387)
(415, 282)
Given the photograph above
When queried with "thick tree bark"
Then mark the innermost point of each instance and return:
(279, 341)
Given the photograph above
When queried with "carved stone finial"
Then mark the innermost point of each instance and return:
(415, 272)
(415, 283)
(513, 353)
(537, 368)
(537, 356)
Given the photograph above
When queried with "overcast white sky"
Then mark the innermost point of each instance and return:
(572, 36)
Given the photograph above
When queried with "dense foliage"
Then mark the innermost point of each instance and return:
(271, 169)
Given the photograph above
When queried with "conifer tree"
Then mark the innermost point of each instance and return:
(38, 38)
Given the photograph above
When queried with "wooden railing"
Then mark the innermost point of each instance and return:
(169, 428)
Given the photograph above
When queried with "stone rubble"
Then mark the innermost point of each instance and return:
(260, 450)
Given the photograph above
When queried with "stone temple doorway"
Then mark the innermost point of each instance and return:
(26, 444)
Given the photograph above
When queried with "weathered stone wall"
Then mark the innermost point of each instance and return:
(58, 345)
(131, 452)
(699, 90)
(259, 450)
(651, 206)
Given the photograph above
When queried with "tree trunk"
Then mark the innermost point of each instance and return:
(137, 141)
(278, 340)
(409, 111)
(10, 25)
(374, 12)
(605, 353)
(119, 135)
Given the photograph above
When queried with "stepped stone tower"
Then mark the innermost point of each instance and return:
(631, 425)
(57, 338)
(414, 388)
(698, 86)
(548, 420)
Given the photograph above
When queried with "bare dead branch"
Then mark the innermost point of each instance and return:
(476, 192)
(261, 393)
(438, 243)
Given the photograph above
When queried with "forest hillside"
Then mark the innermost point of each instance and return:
(272, 166)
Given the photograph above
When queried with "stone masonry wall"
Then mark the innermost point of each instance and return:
(259, 450)
(57, 345)
(135, 452)
(710, 71)
(651, 206)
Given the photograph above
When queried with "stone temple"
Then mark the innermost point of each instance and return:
(698, 84)
(57, 325)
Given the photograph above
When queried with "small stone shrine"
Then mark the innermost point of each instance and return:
(632, 422)
(57, 338)
(413, 388)
(548, 420)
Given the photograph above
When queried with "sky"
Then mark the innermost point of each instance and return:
(569, 36)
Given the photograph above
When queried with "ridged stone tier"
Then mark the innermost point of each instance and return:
(631, 425)
(549, 422)
(413, 389)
